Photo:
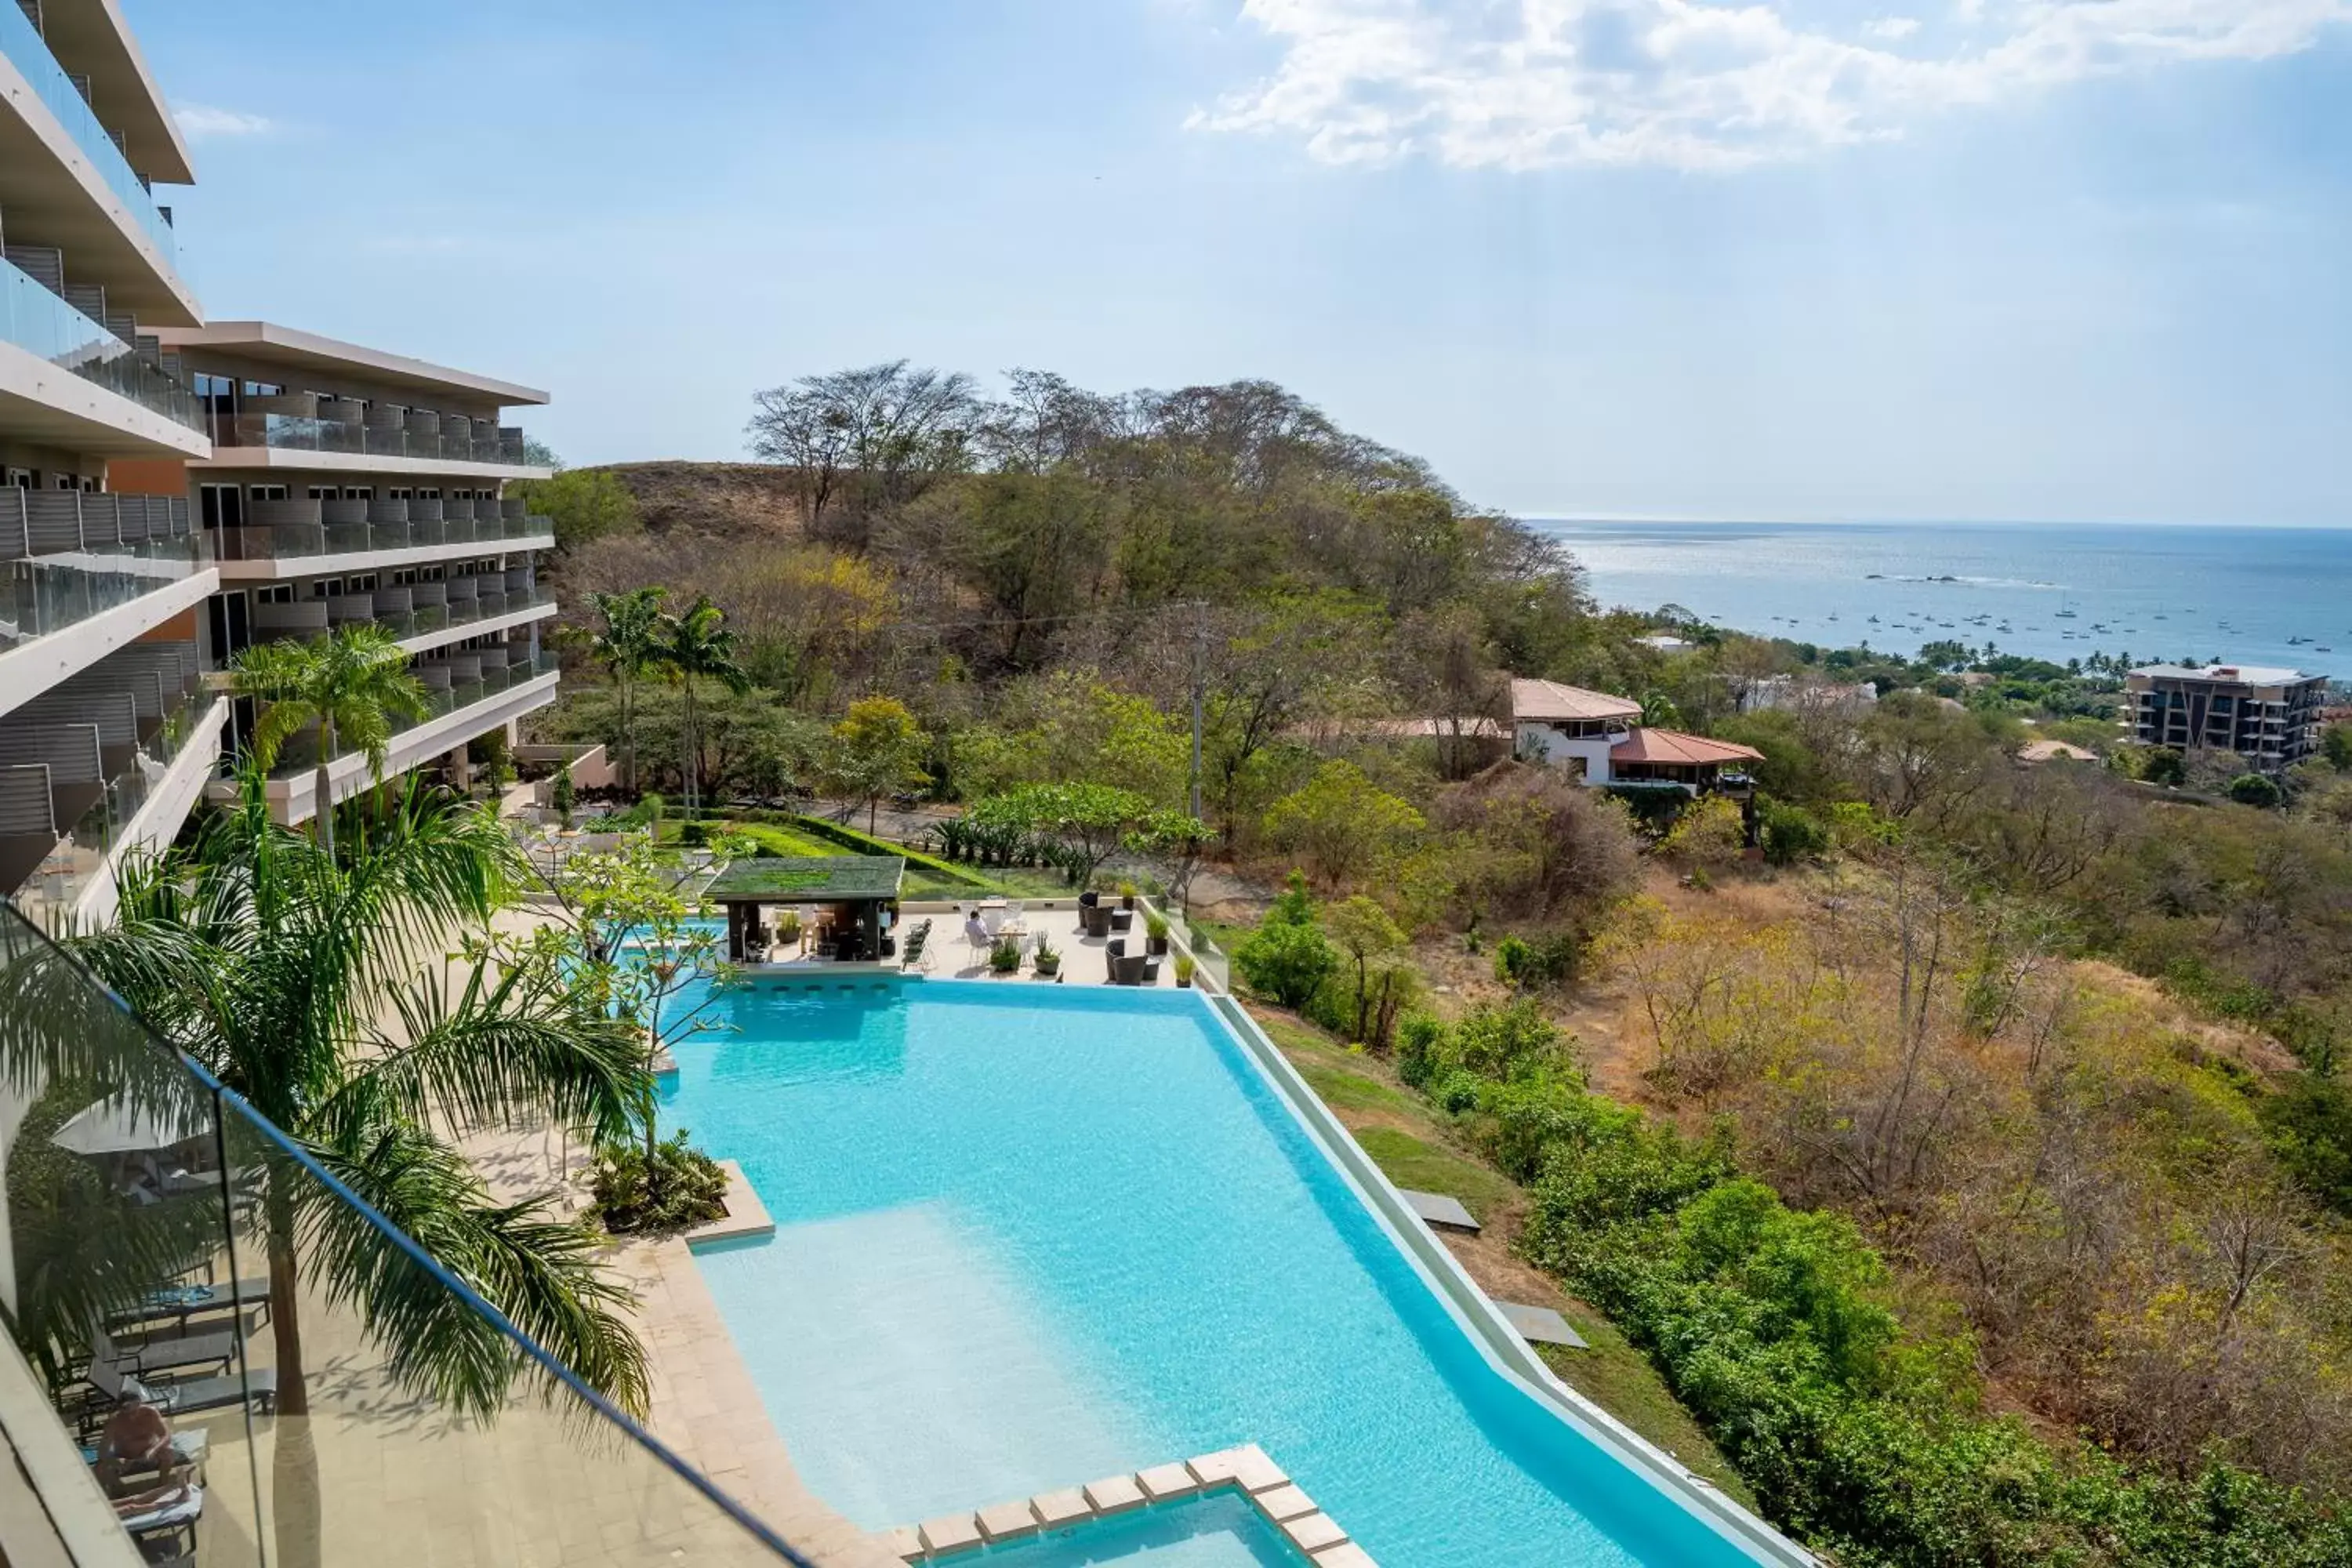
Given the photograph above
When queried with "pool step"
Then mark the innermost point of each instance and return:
(1245, 1470)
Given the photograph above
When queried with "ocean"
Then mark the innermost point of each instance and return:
(2243, 595)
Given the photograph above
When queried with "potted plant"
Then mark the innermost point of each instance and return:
(1185, 966)
(1126, 895)
(788, 929)
(1004, 958)
(1049, 962)
(1155, 931)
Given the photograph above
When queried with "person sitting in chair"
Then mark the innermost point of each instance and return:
(975, 933)
(136, 1437)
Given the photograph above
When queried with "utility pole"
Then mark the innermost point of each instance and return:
(1199, 693)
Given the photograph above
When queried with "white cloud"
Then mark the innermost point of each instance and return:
(1525, 84)
(199, 121)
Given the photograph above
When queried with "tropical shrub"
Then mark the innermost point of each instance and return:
(1287, 963)
(1792, 834)
(674, 1187)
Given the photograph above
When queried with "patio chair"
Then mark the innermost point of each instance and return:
(1128, 969)
(260, 1385)
(173, 1515)
(1094, 920)
(162, 1352)
(915, 940)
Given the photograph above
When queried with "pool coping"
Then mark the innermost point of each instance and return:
(1504, 1349)
(1286, 1510)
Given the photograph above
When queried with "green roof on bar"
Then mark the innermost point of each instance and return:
(807, 878)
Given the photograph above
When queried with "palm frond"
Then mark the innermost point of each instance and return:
(494, 1051)
(538, 1270)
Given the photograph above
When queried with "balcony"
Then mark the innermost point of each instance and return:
(29, 53)
(68, 558)
(44, 326)
(468, 691)
(141, 803)
(306, 530)
(414, 437)
(408, 612)
(139, 1189)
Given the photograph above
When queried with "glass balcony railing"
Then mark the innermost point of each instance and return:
(29, 52)
(44, 325)
(294, 541)
(57, 884)
(172, 1246)
(428, 618)
(300, 755)
(294, 432)
(47, 585)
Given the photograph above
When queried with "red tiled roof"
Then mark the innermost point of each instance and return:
(1675, 749)
(1549, 699)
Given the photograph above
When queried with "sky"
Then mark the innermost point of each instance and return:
(1810, 259)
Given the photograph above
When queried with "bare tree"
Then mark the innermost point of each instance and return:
(864, 442)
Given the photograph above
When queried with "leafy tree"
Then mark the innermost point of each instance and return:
(563, 794)
(2256, 790)
(1792, 834)
(1341, 822)
(2163, 765)
(1371, 943)
(877, 750)
(694, 646)
(290, 973)
(1286, 960)
(2335, 745)
(1175, 842)
(351, 685)
(1089, 820)
(583, 504)
(2310, 1126)
(628, 644)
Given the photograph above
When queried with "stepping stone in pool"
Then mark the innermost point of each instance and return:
(1004, 1521)
(1114, 1494)
(1284, 1503)
(1347, 1554)
(1437, 1209)
(1313, 1532)
(1165, 1483)
(1054, 1509)
(953, 1533)
(1541, 1325)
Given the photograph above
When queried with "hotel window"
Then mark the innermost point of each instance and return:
(363, 584)
(428, 495)
(274, 593)
(400, 492)
(220, 506)
(67, 482)
(19, 478)
(402, 577)
(266, 492)
(326, 588)
(326, 492)
(262, 389)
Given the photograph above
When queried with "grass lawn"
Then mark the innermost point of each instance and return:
(1415, 1146)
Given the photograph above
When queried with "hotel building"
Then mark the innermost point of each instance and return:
(2270, 717)
(107, 733)
(348, 487)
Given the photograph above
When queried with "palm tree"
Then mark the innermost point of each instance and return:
(695, 644)
(301, 981)
(1659, 712)
(627, 645)
(352, 684)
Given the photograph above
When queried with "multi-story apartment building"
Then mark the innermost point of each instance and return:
(348, 486)
(107, 734)
(2270, 717)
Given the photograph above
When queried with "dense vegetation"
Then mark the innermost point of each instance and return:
(1974, 1162)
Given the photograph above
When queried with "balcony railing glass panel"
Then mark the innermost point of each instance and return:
(81, 856)
(45, 325)
(171, 1242)
(29, 52)
(294, 542)
(298, 433)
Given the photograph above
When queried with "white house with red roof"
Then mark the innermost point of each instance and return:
(1601, 740)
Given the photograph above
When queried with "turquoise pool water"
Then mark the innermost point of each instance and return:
(1028, 1236)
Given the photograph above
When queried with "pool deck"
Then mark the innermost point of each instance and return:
(948, 956)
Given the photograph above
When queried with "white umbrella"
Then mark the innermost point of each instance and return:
(114, 1127)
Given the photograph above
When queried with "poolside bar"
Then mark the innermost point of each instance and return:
(845, 907)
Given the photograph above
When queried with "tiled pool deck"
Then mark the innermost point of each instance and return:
(1246, 1470)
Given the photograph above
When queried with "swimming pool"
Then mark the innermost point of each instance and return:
(1030, 1236)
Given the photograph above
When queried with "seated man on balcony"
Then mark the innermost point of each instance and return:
(136, 1439)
